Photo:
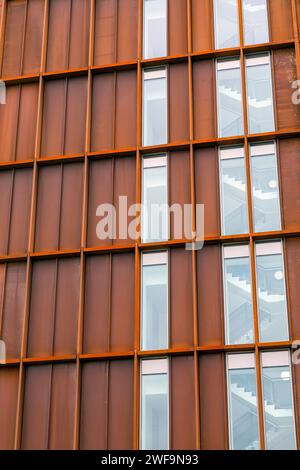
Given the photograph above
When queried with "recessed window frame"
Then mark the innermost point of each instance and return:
(145, 56)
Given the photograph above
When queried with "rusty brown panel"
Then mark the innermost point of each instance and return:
(20, 211)
(8, 406)
(66, 307)
(207, 188)
(290, 176)
(177, 27)
(79, 34)
(127, 30)
(209, 288)
(27, 121)
(183, 414)
(62, 407)
(53, 118)
(102, 137)
(204, 92)
(202, 25)
(124, 185)
(179, 186)
(281, 22)
(105, 32)
(42, 305)
(97, 304)
(34, 35)
(179, 103)
(285, 74)
(100, 171)
(76, 116)
(8, 124)
(122, 305)
(181, 298)
(293, 268)
(12, 54)
(125, 120)
(93, 423)
(58, 35)
(213, 406)
(36, 405)
(48, 208)
(6, 182)
(71, 206)
(120, 405)
(13, 309)
(2, 282)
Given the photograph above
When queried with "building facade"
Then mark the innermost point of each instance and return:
(121, 343)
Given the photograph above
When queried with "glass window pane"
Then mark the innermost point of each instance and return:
(155, 28)
(243, 409)
(155, 209)
(255, 15)
(230, 106)
(234, 196)
(226, 23)
(273, 325)
(154, 412)
(265, 193)
(238, 301)
(154, 307)
(260, 98)
(155, 111)
(278, 408)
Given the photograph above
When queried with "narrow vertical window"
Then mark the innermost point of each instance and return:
(154, 405)
(155, 226)
(242, 401)
(155, 28)
(265, 187)
(272, 306)
(233, 191)
(238, 295)
(255, 17)
(226, 23)
(259, 94)
(230, 103)
(154, 317)
(155, 107)
(278, 401)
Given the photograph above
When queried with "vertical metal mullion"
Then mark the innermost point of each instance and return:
(11, 195)
(92, 33)
(16, 127)
(63, 143)
(23, 39)
(54, 306)
(3, 300)
(69, 36)
(2, 33)
(45, 37)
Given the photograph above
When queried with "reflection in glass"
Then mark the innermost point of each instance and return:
(155, 108)
(155, 28)
(255, 15)
(226, 23)
(155, 209)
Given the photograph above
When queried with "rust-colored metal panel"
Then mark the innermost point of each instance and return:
(209, 288)
(97, 304)
(66, 306)
(20, 211)
(102, 137)
(179, 103)
(8, 406)
(27, 122)
(94, 390)
(37, 391)
(281, 22)
(42, 309)
(13, 308)
(207, 188)
(58, 34)
(289, 162)
(79, 34)
(52, 142)
(8, 125)
(177, 27)
(127, 28)
(202, 25)
(6, 185)
(285, 74)
(183, 415)
(105, 32)
(181, 298)
(62, 408)
(71, 206)
(125, 118)
(12, 55)
(75, 116)
(179, 185)
(293, 273)
(204, 99)
(122, 305)
(120, 405)
(33, 37)
(213, 406)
